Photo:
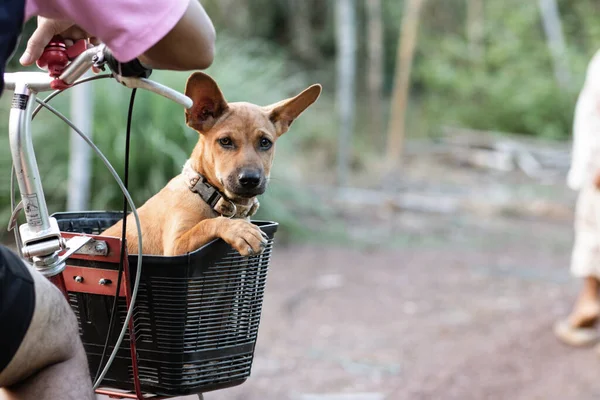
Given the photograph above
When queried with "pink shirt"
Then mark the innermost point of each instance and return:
(128, 27)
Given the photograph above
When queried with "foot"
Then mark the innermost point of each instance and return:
(585, 314)
(579, 328)
(575, 336)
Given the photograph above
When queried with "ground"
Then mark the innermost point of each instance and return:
(466, 316)
(452, 305)
(457, 305)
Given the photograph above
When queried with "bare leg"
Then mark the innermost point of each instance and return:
(50, 362)
(586, 311)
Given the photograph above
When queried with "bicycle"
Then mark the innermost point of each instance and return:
(196, 322)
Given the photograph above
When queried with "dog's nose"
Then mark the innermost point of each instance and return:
(249, 178)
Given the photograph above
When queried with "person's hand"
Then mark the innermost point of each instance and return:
(45, 31)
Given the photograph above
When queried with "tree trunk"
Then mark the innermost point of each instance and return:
(346, 70)
(556, 41)
(301, 29)
(406, 46)
(375, 65)
(475, 29)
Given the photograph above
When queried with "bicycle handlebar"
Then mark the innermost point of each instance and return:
(157, 88)
(43, 82)
(81, 64)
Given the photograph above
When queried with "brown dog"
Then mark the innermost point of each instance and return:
(215, 194)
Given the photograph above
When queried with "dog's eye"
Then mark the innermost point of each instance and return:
(265, 144)
(225, 142)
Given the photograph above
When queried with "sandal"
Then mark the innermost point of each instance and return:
(576, 336)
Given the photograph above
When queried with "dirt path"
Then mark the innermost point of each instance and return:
(462, 312)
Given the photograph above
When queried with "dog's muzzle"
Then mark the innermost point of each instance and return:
(247, 183)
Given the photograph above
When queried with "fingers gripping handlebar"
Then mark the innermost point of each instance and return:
(65, 65)
(56, 55)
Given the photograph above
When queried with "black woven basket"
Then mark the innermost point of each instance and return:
(196, 316)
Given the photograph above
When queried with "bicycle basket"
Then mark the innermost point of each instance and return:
(195, 320)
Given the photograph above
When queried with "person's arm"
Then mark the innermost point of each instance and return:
(189, 45)
(136, 30)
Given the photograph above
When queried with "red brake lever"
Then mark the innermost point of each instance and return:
(56, 57)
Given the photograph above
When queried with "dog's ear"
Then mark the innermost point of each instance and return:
(209, 103)
(283, 113)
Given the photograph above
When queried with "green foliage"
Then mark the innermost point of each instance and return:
(512, 88)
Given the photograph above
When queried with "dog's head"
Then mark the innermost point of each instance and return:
(237, 140)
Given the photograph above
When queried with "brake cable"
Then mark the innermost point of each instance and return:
(111, 322)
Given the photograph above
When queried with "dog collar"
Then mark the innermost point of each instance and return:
(215, 199)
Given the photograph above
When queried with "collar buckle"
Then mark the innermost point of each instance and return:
(215, 199)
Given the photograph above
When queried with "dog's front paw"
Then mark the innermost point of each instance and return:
(245, 237)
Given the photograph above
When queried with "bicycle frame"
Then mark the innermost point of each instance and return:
(40, 236)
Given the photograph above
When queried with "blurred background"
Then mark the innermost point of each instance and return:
(426, 227)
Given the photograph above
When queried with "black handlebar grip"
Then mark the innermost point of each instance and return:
(131, 69)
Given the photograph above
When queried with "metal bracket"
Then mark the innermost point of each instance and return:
(43, 249)
(41, 244)
(51, 264)
(94, 248)
(73, 245)
(28, 235)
